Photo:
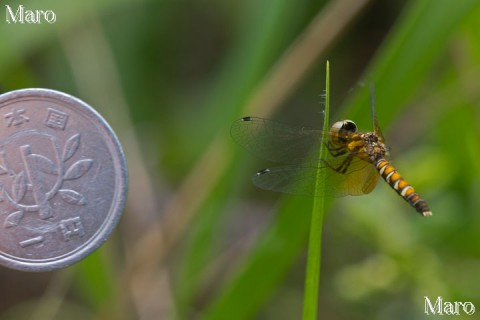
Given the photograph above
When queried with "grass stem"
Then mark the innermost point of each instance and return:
(312, 279)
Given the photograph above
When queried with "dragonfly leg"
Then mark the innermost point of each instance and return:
(335, 151)
(342, 168)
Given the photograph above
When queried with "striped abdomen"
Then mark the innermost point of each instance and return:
(393, 178)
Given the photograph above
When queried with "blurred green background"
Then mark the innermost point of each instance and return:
(197, 240)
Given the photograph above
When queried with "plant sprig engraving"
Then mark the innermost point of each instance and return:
(32, 179)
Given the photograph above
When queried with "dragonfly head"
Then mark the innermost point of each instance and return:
(347, 125)
(341, 130)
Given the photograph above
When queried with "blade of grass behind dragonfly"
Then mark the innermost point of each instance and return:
(312, 279)
(405, 60)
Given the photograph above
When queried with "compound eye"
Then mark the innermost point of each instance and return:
(337, 126)
(349, 126)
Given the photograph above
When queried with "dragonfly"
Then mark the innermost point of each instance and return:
(351, 165)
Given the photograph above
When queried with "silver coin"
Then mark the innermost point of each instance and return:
(63, 180)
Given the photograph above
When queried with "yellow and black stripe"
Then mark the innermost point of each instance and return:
(406, 191)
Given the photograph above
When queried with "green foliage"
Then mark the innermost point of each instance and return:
(186, 70)
(312, 278)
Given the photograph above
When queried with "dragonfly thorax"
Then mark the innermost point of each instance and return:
(373, 147)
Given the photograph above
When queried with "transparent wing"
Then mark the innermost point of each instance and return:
(359, 178)
(276, 141)
(298, 147)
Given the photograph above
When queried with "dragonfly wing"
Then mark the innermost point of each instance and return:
(360, 178)
(276, 141)
(292, 179)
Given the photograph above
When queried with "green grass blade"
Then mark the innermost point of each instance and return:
(406, 58)
(312, 279)
(263, 270)
(260, 43)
